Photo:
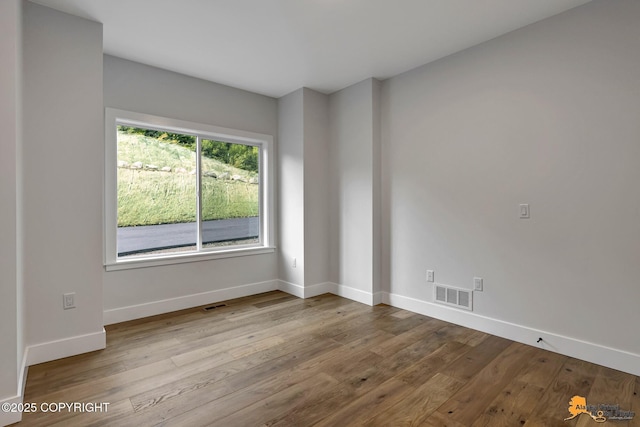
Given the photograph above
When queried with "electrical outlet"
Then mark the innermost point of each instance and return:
(477, 284)
(430, 277)
(69, 300)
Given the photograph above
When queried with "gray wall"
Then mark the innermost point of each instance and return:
(11, 328)
(546, 115)
(136, 87)
(62, 170)
(291, 217)
(316, 187)
(355, 185)
(144, 89)
(303, 171)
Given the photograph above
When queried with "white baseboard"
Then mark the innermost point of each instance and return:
(291, 288)
(7, 418)
(355, 294)
(46, 352)
(330, 288)
(378, 298)
(24, 371)
(319, 289)
(66, 347)
(590, 352)
(307, 291)
(138, 311)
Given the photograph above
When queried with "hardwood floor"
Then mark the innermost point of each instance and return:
(276, 360)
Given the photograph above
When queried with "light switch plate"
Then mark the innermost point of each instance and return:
(69, 300)
(430, 276)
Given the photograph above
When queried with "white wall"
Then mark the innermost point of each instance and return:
(141, 88)
(355, 162)
(62, 168)
(425, 171)
(376, 188)
(291, 218)
(137, 87)
(303, 191)
(11, 328)
(546, 115)
(316, 187)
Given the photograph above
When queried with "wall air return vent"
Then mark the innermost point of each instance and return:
(461, 298)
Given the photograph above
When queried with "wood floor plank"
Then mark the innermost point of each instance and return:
(350, 363)
(542, 368)
(252, 306)
(610, 387)
(254, 347)
(214, 324)
(437, 419)
(238, 384)
(276, 404)
(272, 359)
(108, 389)
(420, 332)
(460, 334)
(280, 300)
(403, 314)
(219, 342)
(115, 411)
(367, 377)
(419, 404)
(283, 305)
(370, 404)
(434, 362)
(471, 400)
(237, 374)
(173, 399)
(398, 326)
(224, 329)
(315, 408)
(183, 409)
(574, 378)
(512, 406)
(68, 376)
(516, 402)
(96, 388)
(204, 350)
(635, 404)
(474, 360)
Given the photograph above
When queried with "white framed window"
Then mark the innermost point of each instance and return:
(177, 191)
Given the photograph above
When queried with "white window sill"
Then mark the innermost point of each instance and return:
(159, 260)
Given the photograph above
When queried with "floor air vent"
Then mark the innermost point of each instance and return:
(461, 298)
(213, 307)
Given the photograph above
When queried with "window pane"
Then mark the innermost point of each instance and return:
(156, 192)
(230, 193)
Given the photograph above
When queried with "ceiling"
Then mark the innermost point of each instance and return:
(274, 47)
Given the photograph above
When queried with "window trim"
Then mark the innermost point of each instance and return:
(114, 116)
